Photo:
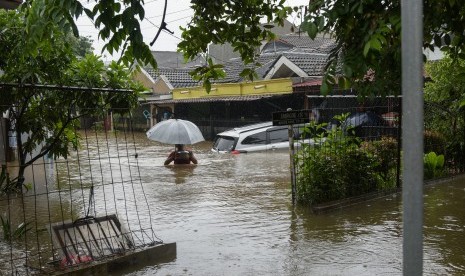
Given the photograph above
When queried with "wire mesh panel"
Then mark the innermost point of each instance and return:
(444, 136)
(75, 207)
(353, 149)
(90, 239)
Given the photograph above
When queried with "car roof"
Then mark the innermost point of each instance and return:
(246, 128)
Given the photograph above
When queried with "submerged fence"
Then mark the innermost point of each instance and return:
(353, 148)
(75, 204)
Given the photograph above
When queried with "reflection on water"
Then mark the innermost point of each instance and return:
(232, 215)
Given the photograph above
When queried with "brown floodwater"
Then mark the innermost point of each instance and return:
(232, 215)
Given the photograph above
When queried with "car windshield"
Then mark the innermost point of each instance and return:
(224, 143)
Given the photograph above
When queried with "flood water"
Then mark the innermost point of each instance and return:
(232, 215)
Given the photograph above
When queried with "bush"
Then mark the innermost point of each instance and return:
(434, 142)
(341, 166)
(385, 151)
(434, 165)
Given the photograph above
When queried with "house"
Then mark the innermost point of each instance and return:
(291, 59)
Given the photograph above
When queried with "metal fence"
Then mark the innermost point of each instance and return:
(60, 210)
(351, 149)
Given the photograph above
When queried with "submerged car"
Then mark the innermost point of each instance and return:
(256, 137)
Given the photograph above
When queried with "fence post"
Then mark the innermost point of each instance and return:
(291, 163)
(399, 145)
(412, 135)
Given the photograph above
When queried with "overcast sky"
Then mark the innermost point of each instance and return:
(178, 13)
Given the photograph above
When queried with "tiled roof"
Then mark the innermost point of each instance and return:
(312, 64)
(307, 54)
(178, 77)
(322, 45)
(170, 59)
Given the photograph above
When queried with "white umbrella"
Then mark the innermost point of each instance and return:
(175, 131)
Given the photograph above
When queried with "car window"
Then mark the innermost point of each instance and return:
(224, 143)
(278, 135)
(254, 139)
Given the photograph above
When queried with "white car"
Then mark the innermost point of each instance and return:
(256, 137)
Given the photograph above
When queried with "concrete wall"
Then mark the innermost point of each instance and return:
(267, 87)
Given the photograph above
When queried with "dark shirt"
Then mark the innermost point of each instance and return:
(182, 157)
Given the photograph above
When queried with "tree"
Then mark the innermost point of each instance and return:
(367, 56)
(446, 92)
(48, 117)
(81, 45)
(117, 21)
(236, 22)
(368, 39)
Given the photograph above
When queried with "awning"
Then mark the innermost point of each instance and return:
(308, 83)
(217, 99)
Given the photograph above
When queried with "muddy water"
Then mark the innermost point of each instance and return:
(232, 215)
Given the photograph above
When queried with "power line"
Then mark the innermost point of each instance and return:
(168, 13)
(189, 16)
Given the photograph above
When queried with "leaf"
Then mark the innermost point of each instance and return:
(375, 44)
(366, 49)
(462, 104)
(456, 40)
(347, 70)
(312, 30)
(440, 162)
(324, 88)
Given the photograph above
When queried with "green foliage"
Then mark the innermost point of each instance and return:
(368, 35)
(434, 141)
(117, 21)
(81, 45)
(7, 185)
(21, 61)
(208, 72)
(434, 165)
(10, 234)
(50, 116)
(368, 41)
(445, 94)
(385, 151)
(447, 85)
(340, 166)
(234, 22)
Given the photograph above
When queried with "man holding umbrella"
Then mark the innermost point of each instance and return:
(181, 156)
(178, 132)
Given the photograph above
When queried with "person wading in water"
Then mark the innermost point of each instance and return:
(181, 156)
